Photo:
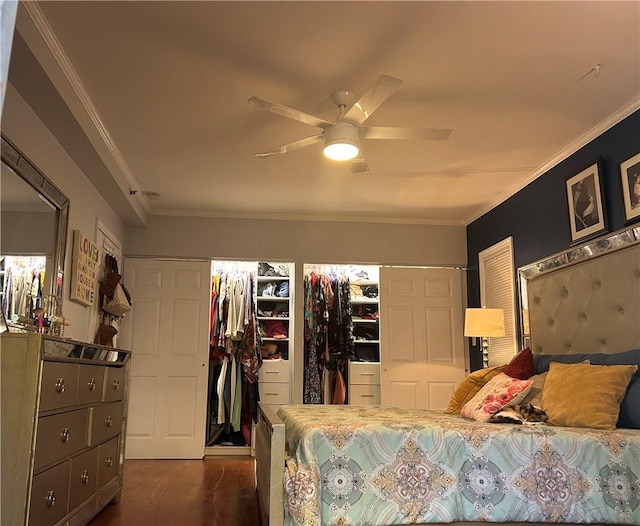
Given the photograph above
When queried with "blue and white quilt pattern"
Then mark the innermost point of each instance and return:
(374, 466)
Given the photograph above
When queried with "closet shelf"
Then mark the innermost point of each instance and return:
(363, 282)
(272, 298)
(282, 318)
(359, 300)
(262, 279)
(362, 320)
(269, 339)
(366, 341)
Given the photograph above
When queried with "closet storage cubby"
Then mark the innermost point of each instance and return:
(364, 370)
(274, 306)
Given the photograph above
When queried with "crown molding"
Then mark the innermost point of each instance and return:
(92, 124)
(566, 152)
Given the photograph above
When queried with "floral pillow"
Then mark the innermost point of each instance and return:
(497, 393)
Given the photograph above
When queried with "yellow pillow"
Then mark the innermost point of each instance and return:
(584, 395)
(470, 386)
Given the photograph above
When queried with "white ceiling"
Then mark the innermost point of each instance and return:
(514, 80)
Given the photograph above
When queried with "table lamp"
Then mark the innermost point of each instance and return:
(484, 323)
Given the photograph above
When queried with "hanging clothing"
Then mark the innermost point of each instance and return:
(328, 336)
(22, 288)
(234, 357)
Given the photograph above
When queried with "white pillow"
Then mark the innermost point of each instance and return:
(497, 393)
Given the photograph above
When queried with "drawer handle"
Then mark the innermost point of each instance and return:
(60, 385)
(85, 477)
(51, 499)
(92, 384)
(116, 384)
(271, 394)
(367, 374)
(366, 396)
(65, 434)
(271, 372)
(108, 462)
(107, 421)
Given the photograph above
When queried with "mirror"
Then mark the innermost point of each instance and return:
(33, 222)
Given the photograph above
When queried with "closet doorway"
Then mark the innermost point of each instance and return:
(167, 332)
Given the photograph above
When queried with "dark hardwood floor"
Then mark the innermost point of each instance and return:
(216, 491)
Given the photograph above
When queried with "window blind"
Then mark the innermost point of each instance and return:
(497, 291)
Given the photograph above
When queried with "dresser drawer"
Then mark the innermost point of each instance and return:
(60, 435)
(84, 477)
(108, 460)
(362, 394)
(90, 384)
(274, 393)
(364, 373)
(274, 371)
(59, 385)
(105, 422)
(114, 384)
(49, 495)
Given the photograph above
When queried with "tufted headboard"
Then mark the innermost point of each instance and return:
(584, 300)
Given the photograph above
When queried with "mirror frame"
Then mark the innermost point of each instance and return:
(590, 250)
(25, 169)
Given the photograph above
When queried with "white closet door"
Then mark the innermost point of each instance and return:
(422, 357)
(167, 331)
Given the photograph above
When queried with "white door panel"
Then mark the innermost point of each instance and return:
(167, 331)
(422, 347)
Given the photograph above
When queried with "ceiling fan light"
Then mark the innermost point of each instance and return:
(341, 141)
(341, 150)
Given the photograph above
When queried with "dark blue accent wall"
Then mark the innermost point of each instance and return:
(537, 216)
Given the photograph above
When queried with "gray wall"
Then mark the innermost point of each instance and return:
(298, 241)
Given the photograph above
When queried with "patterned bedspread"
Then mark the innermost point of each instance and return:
(368, 466)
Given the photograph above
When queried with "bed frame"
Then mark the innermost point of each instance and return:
(564, 283)
(270, 465)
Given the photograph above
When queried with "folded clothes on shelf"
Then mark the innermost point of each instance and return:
(270, 269)
(282, 290)
(276, 329)
(370, 291)
(365, 312)
(365, 332)
(268, 289)
(268, 349)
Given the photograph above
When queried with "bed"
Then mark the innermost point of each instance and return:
(382, 466)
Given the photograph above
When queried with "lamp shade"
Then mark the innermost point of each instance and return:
(484, 322)
(341, 141)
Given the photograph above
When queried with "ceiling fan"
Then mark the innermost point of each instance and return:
(342, 137)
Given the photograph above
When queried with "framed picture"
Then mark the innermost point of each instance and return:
(587, 215)
(630, 173)
(84, 285)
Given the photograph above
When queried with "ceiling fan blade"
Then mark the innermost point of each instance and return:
(289, 147)
(372, 99)
(290, 113)
(359, 165)
(391, 132)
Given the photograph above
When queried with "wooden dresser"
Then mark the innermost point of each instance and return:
(63, 422)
